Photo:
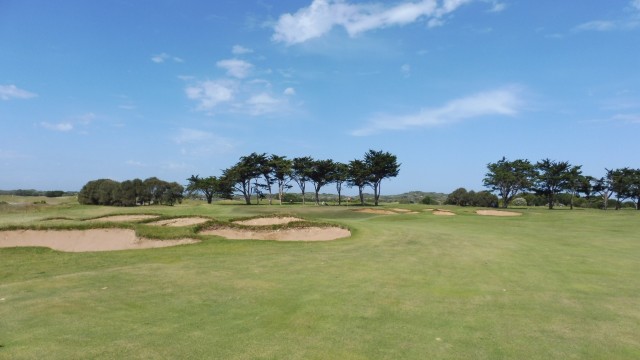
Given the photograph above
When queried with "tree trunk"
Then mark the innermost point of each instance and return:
(339, 188)
(376, 193)
(361, 195)
(550, 199)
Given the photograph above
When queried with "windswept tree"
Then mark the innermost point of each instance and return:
(574, 181)
(359, 176)
(243, 173)
(339, 176)
(508, 178)
(209, 187)
(281, 172)
(552, 178)
(604, 187)
(381, 165)
(622, 183)
(300, 170)
(634, 187)
(320, 174)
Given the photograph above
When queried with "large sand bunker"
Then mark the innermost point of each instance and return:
(497, 213)
(84, 240)
(124, 218)
(295, 234)
(443, 212)
(268, 221)
(180, 221)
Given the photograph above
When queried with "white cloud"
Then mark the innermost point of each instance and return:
(8, 92)
(596, 25)
(263, 103)
(323, 15)
(209, 93)
(627, 118)
(236, 68)
(191, 135)
(240, 50)
(160, 58)
(497, 6)
(62, 127)
(505, 101)
(289, 91)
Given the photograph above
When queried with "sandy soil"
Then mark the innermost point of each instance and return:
(84, 240)
(402, 210)
(299, 234)
(443, 213)
(180, 221)
(123, 218)
(268, 221)
(497, 213)
(376, 211)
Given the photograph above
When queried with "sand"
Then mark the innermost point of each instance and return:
(267, 221)
(84, 240)
(298, 234)
(497, 213)
(376, 211)
(180, 221)
(443, 213)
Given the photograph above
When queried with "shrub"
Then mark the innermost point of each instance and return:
(519, 202)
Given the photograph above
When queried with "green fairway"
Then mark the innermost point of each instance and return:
(545, 285)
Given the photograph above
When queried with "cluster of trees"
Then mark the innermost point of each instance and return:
(32, 192)
(462, 197)
(262, 175)
(130, 192)
(553, 179)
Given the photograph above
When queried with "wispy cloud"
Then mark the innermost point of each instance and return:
(62, 126)
(627, 118)
(240, 50)
(10, 92)
(198, 142)
(506, 101)
(321, 16)
(11, 155)
(236, 68)
(289, 91)
(630, 21)
(164, 57)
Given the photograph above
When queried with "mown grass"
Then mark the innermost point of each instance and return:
(548, 284)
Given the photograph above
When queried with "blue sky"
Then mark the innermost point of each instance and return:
(124, 89)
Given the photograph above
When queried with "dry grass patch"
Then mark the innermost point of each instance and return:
(84, 240)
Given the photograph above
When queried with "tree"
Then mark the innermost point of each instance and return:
(634, 187)
(551, 178)
(242, 173)
(281, 171)
(457, 197)
(574, 180)
(381, 165)
(340, 176)
(604, 187)
(300, 170)
(508, 178)
(320, 174)
(621, 182)
(359, 176)
(209, 187)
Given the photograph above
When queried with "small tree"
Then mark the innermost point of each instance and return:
(339, 176)
(320, 174)
(281, 168)
(359, 176)
(552, 177)
(242, 173)
(300, 171)
(508, 178)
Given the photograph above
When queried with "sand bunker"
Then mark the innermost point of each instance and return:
(497, 213)
(267, 221)
(84, 240)
(443, 213)
(180, 221)
(298, 234)
(376, 211)
(124, 218)
(402, 210)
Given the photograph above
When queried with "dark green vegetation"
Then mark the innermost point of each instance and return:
(551, 179)
(546, 285)
(130, 192)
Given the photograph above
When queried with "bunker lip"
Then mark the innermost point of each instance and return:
(266, 221)
(497, 213)
(313, 233)
(124, 218)
(176, 222)
(84, 240)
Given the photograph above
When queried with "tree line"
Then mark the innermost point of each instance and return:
(130, 192)
(550, 179)
(263, 175)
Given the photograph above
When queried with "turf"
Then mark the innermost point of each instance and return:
(545, 285)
